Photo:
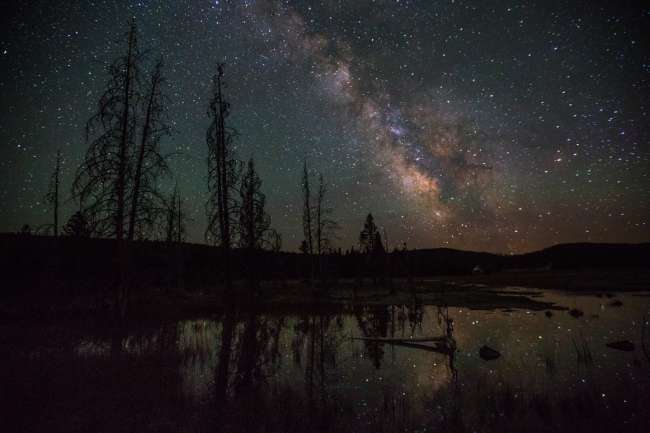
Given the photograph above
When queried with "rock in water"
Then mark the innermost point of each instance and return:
(488, 354)
(576, 313)
(624, 345)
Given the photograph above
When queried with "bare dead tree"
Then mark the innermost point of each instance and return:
(101, 182)
(223, 174)
(307, 227)
(150, 164)
(254, 225)
(325, 226)
(52, 197)
(175, 219)
(307, 224)
(180, 222)
(170, 219)
(254, 222)
(275, 239)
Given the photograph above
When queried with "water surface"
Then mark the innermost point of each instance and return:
(310, 369)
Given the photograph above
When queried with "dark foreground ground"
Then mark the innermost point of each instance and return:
(291, 294)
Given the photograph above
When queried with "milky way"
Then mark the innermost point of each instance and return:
(501, 126)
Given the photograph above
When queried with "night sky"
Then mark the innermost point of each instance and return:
(490, 125)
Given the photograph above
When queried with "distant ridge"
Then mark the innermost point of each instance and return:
(577, 255)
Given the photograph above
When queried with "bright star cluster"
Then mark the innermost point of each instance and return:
(504, 126)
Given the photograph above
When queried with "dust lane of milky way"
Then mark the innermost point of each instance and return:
(501, 126)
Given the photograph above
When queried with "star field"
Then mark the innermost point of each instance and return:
(492, 125)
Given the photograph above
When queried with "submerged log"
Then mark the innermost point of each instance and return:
(576, 313)
(624, 345)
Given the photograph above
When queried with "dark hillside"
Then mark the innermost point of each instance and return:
(41, 262)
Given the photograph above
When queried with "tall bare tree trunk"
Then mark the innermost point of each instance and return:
(319, 225)
(223, 185)
(146, 129)
(179, 220)
(57, 174)
(124, 141)
(223, 173)
(308, 229)
(122, 293)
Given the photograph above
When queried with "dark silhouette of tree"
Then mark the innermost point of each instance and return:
(116, 184)
(172, 229)
(324, 224)
(368, 236)
(25, 230)
(223, 173)
(378, 244)
(254, 222)
(254, 225)
(276, 241)
(387, 264)
(52, 197)
(101, 182)
(307, 226)
(175, 219)
(373, 247)
(77, 226)
(317, 224)
(170, 219)
(150, 164)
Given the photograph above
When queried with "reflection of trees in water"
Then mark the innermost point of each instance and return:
(375, 321)
(135, 380)
(250, 354)
(196, 346)
(398, 328)
(415, 315)
(242, 351)
(256, 349)
(225, 355)
(317, 338)
(251, 349)
(446, 323)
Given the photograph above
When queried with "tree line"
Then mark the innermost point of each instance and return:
(117, 186)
